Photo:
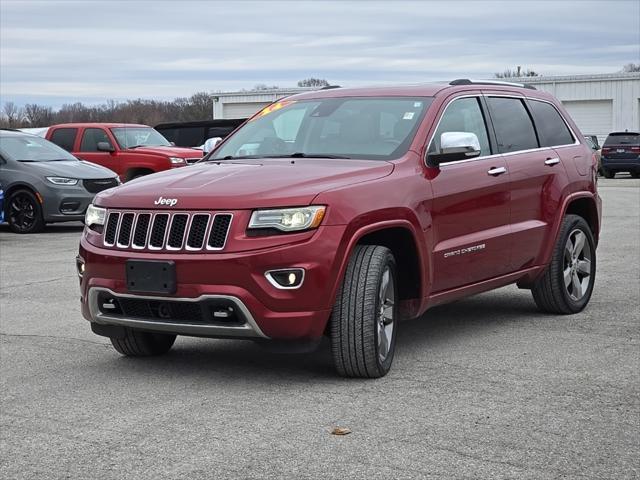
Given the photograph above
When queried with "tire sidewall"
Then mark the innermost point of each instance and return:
(578, 223)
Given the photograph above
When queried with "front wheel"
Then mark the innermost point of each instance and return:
(136, 343)
(567, 283)
(364, 321)
(635, 174)
(24, 212)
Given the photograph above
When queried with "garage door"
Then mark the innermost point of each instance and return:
(593, 117)
(241, 110)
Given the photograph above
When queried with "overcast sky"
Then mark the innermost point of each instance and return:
(54, 52)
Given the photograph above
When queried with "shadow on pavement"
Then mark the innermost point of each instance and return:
(241, 360)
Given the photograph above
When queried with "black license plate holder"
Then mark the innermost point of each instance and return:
(151, 276)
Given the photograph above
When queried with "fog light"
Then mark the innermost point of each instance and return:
(289, 278)
(80, 266)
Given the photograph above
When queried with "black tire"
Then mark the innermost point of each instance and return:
(635, 174)
(608, 173)
(357, 318)
(24, 212)
(550, 291)
(137, 343)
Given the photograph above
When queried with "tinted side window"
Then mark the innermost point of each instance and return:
(551, 127)
(463, 115)
(91, 137)
(64, 138)
(513, 126)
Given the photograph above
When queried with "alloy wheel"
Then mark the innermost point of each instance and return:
(22, 212)
(385, 315)
(577, 264)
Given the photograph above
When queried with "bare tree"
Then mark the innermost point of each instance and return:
(519, 72)
(37, 115)
(12, 113)
(631, 67)
(264, 86)
(313, 82)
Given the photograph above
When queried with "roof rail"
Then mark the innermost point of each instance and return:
(330, 87)
(466, 81)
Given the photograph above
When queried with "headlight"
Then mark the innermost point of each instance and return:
(176, 160)
(63, 180)
(95, 216)
(288, 219)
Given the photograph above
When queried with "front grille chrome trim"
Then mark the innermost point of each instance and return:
(212, 223)
(212, 219)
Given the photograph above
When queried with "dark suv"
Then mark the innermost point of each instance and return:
(621, 153)
(339, 212)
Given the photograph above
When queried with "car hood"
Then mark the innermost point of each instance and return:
(238, 185)
(71, 169)
(169, 151)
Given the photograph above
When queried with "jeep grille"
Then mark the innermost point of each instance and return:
(167, 231)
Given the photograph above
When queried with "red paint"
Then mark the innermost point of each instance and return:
(515, 216)
(127, 163)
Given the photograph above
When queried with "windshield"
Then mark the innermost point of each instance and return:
(373, 128)
(29, 148)
(129, 137)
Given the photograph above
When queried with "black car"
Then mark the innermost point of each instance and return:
(194, 134)
(621, 153)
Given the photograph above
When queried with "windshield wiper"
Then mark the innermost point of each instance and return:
(315, 155)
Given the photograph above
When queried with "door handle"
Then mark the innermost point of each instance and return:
(495, 171)
(551, 161)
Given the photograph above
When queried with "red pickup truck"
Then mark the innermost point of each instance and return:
(130, 150)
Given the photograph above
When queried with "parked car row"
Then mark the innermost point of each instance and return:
(43, 183)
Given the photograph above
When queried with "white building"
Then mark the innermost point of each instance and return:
(599, 104)
(244, 104)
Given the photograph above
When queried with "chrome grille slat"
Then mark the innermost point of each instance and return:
(141, 231)
(177, 230)
(126, 227)
(167, 231)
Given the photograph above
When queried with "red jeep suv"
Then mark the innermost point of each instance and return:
(130, 150)
(340, 212)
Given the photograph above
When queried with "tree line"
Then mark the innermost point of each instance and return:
(149, 112)
(198, 106)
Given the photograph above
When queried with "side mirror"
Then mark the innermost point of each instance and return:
(105, 147)
(455, 146)
(210, 144)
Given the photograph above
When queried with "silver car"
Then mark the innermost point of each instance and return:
(45, 184)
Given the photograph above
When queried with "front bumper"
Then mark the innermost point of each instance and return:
(65, 202)
(270, 312)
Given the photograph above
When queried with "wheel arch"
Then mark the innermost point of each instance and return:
(139, 170)
(20, 186)
(401, 237)
(585, 207)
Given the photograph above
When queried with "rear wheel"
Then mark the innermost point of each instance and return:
(608, 173)
(24, 212)
(567, 283)
(364, 321)
(635, 174)
(136, 343)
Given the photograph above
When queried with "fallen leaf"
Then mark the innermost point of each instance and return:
(340, 431)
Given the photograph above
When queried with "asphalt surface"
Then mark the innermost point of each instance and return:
(486, 387)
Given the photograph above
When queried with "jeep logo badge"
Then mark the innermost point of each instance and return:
(166, 201)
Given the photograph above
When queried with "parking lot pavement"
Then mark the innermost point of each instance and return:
(484, 387)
